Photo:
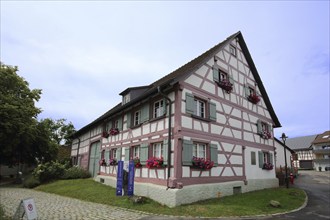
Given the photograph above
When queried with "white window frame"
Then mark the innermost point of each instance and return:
(157, 149)
(232, 50)
(137, 117)
(266, 157)
(116, 124)
(200, 108)
(199, 150)
(136, 151)
(126, 98)
(158, 108)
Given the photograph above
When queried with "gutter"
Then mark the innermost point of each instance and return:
(169, 142)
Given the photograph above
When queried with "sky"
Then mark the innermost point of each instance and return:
(82, 54)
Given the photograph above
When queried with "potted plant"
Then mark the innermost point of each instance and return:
(254, 98)
(114, 131)
(137, 162)
(267, 166)
(155, 162)
(226, 85)
(102, 162)
(113, 161)
(265, 134)
(105, 134)
(201, 163)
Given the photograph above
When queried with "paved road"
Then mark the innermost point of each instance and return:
(50, 206)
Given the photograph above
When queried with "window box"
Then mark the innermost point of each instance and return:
(114, 131)
(254, 98)
(155, 162)
(105, 134)
(201, 163)
(226, 85)
(113, 162)
(267, 166)
(137, 163)
(102, 162)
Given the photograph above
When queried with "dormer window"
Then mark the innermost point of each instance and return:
(126, 98)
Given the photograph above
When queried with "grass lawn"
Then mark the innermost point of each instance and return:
(247, 204)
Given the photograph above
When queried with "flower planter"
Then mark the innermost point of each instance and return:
(267, 166)
(265, 135)
(226, 85)
(105, 134)
(114, 131)
(155, 162)
(254, 98)
(201, 163)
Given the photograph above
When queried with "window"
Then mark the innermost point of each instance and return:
(116, 124)
(137, 117)
(157, 150)
(126, 98)
(199, 150)
(200, 108)
(136, 151)
(250, 91)
(264, 129)
(253, 158)
(114, 153)
(223, 76)
(232, 50)
(265, 158)
(158, 108)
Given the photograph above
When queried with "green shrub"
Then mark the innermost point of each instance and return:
(49, 171)
(31, 182)
(76, 173)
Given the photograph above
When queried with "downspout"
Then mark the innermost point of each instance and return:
(169, 142)
(78, 151)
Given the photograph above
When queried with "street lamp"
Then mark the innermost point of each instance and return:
(284, 137)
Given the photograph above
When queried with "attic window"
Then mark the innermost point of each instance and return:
(126, 98)
(232, 50)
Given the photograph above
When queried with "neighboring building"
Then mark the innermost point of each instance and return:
(279, 155)
(321, 151)
(302, 147)
(219, 112)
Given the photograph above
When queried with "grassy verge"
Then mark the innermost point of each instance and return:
(247, 204)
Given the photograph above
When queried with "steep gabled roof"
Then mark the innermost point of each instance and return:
(189, 67)
(322, 138)
(300, 143)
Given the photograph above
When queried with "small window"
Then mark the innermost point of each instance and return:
(232, 50)
(137, 117)
(253, 158)
(126, 98)
(223, 76)
(159, 108)
(157, 150)
(114, 153)
(136, 151)
(266, 160)
(116, 124)
(251, 91)
(199, 150)
(199, 108)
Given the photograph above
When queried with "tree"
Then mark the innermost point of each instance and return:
(18, 123)
(61, 132)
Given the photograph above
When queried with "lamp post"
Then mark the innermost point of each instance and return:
(284, 137)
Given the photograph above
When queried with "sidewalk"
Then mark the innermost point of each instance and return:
(51, 206)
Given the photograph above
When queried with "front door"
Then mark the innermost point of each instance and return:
(94, 158)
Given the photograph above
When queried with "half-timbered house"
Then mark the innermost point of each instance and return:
(203, 131)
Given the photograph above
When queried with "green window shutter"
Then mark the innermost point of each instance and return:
(129, 119)
(214, 153)
(187, 152)
(127, 156)
(107, 155)
(259, 127)
(120, 124)
(261, 159)
(215, 74)
(145, 113)
(164, 107)
(189, 103)
(231, 79)
(212, 111)
(165, 151)
(247, 90)
(144, 153)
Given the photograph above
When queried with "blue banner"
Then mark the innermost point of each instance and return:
(131, 174)
(120, 172)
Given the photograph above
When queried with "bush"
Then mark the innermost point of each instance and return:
(31, 182)
(49, 171)
(76, 173)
